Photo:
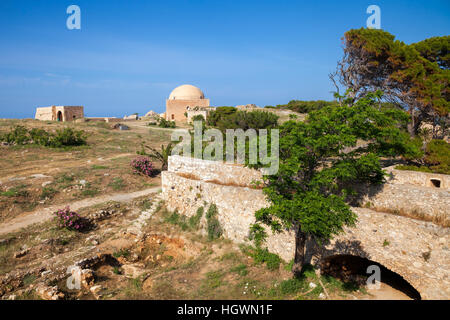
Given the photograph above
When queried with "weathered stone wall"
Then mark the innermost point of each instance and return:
(396, 196)
(214, 171)
(422, 179)
(71, 113)
(44, 113)
(176, 108)
(193, 113)
(68, 113)
(423, 203)
(190, 183)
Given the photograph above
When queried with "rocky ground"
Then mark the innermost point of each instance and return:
(134, 251)
(133, 248)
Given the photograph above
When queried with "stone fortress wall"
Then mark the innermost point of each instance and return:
(191, 183)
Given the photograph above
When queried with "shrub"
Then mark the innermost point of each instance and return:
(306, 106)
(219, 113)
(291, 286)
(271, 260)
(67, 137)
(69, 220)
(437, 156)
(194, 221)
(40, 137)
(262, 255)
(213, 224)
(142, 165)
(163, 123)
(154, 154)
(232, 119)
(436, 159)
(198, 117)
(177, 219)
(61, 138)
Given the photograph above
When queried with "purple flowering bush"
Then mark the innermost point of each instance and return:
(142, 165)
(69, 220)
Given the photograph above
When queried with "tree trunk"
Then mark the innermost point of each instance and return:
(412, 125)
(299, 259)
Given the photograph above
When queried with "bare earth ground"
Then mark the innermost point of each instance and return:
(133, 249)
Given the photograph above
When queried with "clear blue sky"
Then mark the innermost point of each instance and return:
(129, 55)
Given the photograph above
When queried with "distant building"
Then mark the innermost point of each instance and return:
(60, 113)
(182, 99)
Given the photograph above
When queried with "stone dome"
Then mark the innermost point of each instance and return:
(186, 92)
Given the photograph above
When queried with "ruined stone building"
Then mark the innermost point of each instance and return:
(182, 99)
(59, 113)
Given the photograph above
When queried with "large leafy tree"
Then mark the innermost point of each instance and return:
(320, 162)
(416, 76)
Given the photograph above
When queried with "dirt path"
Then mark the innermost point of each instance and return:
(386, 292)
(45, 214)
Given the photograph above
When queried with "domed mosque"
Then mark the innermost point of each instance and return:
(182, 99)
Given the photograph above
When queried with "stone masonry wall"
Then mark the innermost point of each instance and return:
(178, 107)
(190, 183)
(423, 179)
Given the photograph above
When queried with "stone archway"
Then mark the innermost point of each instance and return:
(59, 116)
(351, 268)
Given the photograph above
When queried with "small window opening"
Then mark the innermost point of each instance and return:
(436, 183)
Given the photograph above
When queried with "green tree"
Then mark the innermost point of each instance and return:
(416, 76)
(319, 165)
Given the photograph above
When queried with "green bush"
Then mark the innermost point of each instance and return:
(435, 160)
(194, 221)
(40, 137)
(231, 119)
(219, 113)
(437, 156)
(263, 255)
(163, 123)
(213, 224)
(291, 286)
(18, 135)
(306, 106)
(177, 219)
(66, 137)
(198, 117)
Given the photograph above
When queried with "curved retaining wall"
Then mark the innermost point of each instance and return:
(190, 183)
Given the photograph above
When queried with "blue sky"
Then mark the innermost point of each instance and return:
(129, 55)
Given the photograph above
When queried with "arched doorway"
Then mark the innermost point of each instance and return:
(59, 116)
(349, 268)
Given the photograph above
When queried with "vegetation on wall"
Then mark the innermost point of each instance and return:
(212, 223)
